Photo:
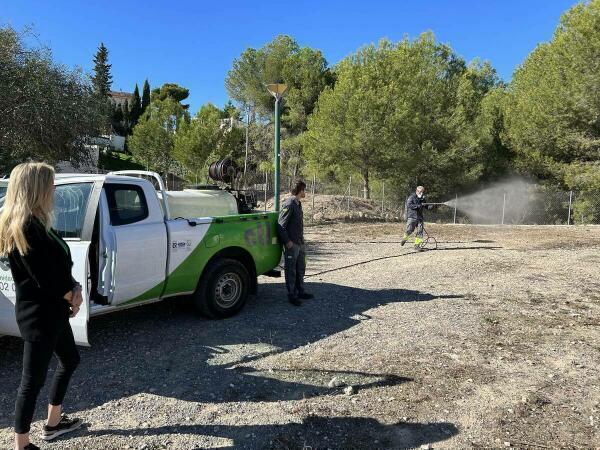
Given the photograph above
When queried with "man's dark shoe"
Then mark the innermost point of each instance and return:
(418, 248)
(306, 296)
(402, 242)
(294, 301)
(65, 425)
(31, 447)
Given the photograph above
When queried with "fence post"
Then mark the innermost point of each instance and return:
(455, 203)
(570, 204)
(349, 192)
(266, 181)
(383, 199)
(503, 208)
(312, 211)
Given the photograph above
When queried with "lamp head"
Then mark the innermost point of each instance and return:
(277, 89)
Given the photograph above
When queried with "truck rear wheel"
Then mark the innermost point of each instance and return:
(223, 288)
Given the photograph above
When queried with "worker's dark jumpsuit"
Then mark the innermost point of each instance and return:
(414, 218)
(291, 228)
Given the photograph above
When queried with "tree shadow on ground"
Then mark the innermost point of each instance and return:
(167, 350)
(315, 432)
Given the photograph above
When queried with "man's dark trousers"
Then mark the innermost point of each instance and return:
(295, 266)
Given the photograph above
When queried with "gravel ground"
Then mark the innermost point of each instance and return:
(493, 340)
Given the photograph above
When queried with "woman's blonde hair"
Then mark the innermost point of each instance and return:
(30, 194)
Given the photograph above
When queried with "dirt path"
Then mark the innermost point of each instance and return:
(492, 339)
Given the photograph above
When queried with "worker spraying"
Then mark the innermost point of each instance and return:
(414, 217)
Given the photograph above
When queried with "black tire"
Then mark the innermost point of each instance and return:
(223, 289)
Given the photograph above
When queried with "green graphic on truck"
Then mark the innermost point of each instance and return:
(129, 248)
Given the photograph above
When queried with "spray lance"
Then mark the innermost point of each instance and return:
(430, 205)
(449, 203)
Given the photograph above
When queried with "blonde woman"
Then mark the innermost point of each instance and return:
(47, 295)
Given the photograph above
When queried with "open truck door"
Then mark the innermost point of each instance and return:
(132, 222)
(75, 206)
(79, 323)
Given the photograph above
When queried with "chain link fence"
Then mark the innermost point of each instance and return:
(329, 200)
(334, 201)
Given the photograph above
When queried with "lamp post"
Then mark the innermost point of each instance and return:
(277, 90)
(247, 143)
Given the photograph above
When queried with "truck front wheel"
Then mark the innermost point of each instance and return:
(223, 288)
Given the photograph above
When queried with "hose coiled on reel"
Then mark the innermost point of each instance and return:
(224, 170)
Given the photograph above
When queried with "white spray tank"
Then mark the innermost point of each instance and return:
(207, 201)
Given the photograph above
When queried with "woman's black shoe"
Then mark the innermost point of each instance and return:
(31, 447)
(65, 425)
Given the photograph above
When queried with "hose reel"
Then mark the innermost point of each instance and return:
(227, 171)
(223, 170)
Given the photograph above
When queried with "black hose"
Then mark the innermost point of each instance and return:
(224, 170)
(360, 263)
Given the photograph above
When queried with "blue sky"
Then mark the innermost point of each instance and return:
(193, 43)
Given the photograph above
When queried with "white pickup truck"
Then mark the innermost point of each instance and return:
(128, 250)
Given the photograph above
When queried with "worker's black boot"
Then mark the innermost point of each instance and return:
(294, 300)
(418, 248)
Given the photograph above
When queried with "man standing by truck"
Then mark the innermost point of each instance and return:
(414, 217)
(291, 233)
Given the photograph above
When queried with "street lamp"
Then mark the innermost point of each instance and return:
(277, 90)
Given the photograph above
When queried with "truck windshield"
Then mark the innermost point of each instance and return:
(70, 206)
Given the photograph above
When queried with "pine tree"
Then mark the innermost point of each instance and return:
(136, 107)
(102, 79)
(116, 120)
(117, 115)
(145, 96)
(126, 117)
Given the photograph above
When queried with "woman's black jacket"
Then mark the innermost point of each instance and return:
(42, 278)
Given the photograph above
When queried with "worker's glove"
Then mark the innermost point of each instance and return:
(430, 206)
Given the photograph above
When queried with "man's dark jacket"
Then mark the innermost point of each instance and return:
(42, 278)
(291, 224)
(414, 207)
